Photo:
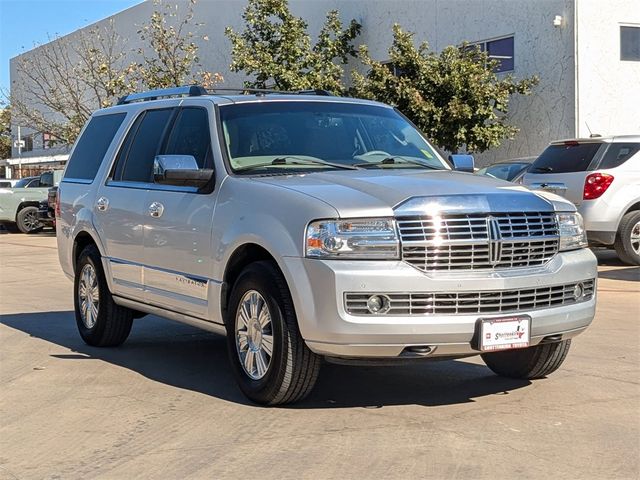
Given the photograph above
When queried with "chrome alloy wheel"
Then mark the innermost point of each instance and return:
(635, 238)
(254, 335)
(88, 296)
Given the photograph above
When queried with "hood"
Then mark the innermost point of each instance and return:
(377, 193)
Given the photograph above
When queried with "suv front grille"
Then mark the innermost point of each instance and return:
(473, 303)
(478, 241)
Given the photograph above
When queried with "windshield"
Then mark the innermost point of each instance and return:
(504, 171)
(309, 136)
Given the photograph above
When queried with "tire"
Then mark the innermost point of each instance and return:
(27, 220)
(528, 363)
(289, 373)
(108, 324)
(627, 243)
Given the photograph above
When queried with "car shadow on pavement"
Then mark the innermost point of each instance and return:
(189, 358)
(630, 274)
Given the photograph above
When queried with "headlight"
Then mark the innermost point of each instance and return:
(572, 233)
(360, 238)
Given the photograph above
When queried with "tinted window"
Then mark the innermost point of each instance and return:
(92, 146)
(571, 157)
(618, 153)
(190, 136)
(630, 43)
(135, 161)
(27, 182)
(502, 51)
(46, 180)
(504, 171)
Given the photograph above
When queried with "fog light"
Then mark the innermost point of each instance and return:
(578, 291)
(378, 304)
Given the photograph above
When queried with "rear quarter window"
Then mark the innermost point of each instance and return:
(619, 153)
(92, 146)
(566, 158)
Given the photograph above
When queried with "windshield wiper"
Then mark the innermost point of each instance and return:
(393, 160)
(542, 169)
(296, 160)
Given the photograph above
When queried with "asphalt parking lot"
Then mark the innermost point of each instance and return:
(165, 404)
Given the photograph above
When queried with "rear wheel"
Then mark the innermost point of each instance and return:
(528, 363)
(101, 322)
(628, 239)
(270, 360)
(27, 220)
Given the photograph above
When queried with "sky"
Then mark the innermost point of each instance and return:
(24, 23)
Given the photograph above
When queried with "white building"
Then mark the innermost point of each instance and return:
(586, 53)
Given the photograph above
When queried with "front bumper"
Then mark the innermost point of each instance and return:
(318, 289)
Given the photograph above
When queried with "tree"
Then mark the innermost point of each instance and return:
(276, 49)
(174, 51)
(67, 79)
(5, 132)
(454, 97)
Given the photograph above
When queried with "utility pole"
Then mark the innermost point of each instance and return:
(19, 153)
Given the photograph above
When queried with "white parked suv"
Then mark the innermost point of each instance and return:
(601, 175)
(307, 227)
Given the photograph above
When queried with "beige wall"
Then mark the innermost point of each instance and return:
(608, 98)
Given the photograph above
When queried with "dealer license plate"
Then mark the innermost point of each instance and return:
(505, 333)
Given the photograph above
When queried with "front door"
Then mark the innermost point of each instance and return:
(178, 224)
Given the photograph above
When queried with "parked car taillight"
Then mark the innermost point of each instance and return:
(57, 209)
(595, 185)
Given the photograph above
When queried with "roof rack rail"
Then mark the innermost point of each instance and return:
(264, 91)
(186, 91)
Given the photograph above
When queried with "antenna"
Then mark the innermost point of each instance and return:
(591, 134)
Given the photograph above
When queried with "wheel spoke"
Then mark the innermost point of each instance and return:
(253, 302)
(243, 341)
(249, 361)
(264, 318)
(243, 316)
(261, 363)
(267, 344)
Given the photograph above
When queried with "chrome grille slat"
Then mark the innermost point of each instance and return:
(473, 303)
(461, 241)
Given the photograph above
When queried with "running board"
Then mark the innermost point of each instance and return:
(171, 315)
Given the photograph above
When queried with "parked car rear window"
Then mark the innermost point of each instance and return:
(135, 159)
(619, 153)
(566, 158)
(92, 146)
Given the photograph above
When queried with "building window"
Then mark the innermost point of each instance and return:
(500, 49)
(630, 43)
(48, 140)
(397, 71)
(27, 143)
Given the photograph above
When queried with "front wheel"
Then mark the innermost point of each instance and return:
(270, 360)
(528, 363)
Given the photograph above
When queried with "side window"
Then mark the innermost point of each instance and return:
(46, 180)
(135, 159)
(35, 183)
(190, 136)
(92, 146)
(618, 153)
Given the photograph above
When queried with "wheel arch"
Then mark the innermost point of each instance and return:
(242, 256)
(81, 241)
(26, 203)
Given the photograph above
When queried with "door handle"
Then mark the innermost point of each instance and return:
(102, 204)
(156, 209)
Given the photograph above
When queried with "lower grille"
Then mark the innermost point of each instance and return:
(470, 303)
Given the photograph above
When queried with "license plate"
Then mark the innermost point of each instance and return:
(505, 333)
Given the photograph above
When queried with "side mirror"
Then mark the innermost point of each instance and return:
(462, 163)
(180, 170)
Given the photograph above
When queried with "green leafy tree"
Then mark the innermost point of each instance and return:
(454, 97)
(277, 51)
(5, 132)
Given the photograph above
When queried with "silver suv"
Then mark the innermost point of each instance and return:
(601, 175)
(308, 227)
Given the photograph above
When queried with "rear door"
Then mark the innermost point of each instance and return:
(563, 167)
(178, 221)
(120, 202)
